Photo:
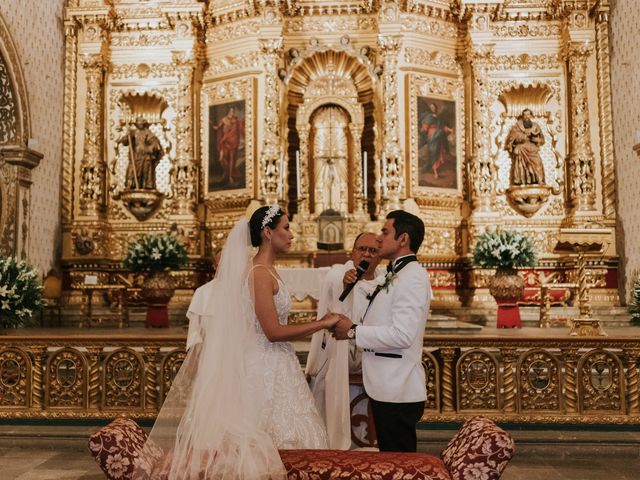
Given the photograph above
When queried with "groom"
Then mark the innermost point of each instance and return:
(391, 335)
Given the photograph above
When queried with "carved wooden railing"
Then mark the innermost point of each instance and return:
(551, 379)
(560, 379)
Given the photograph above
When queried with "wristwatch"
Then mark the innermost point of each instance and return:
(351, 333)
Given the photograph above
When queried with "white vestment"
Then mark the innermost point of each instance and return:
(330, 360)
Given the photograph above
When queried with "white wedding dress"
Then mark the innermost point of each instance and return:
(237, 397)
(290, 415)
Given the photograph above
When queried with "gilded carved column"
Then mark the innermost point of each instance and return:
(392, 164)
(37, 386)
(581, 182)
(92, 166)
(569, 356)
(357, 170)
(93, 354)
(271, 150)
(448, 356)
(151, 378)
(481, 169)
(604, 112)
(69, 117)
(633, 389)
(303, 196)
(185, 172)
(508, 357)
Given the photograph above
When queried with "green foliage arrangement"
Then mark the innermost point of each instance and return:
(20, 292)
(155, 253)
(634, 307)
(504, 248)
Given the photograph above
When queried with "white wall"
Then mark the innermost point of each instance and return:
(38, 34)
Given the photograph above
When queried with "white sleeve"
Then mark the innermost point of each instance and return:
(410, 304)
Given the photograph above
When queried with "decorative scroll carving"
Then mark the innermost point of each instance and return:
(436, 59)
(524, 30)
(169, 369)
(481, 169)
(432, 372)
(392, 165)
(123, 385)
(601, 380)
(477, 379)
(185, 172)
(66, 380)
(92, 169)
(539, 382)
(15, 379)
(271, 150)
(582, 188)
(331, 24)
(228, 63)
(8, 106)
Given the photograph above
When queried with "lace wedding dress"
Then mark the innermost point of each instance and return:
(237, 397)
(290, 415)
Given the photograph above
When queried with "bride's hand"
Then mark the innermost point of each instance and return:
(329, 320)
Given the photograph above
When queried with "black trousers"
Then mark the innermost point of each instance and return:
(396, 425)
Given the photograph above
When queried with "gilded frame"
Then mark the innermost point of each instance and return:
(444, 91)
(227, 93)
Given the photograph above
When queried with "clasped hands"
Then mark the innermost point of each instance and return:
(338, 324)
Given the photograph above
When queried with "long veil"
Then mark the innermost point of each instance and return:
(210, 424)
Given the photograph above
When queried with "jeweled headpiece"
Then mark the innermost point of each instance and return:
(271, 213)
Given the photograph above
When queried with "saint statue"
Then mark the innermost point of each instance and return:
(523, 144)
(145, 152)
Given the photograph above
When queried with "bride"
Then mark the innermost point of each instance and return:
(240, 394)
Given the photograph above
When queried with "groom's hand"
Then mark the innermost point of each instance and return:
(341, 328)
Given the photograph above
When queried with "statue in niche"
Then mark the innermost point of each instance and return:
(145, 152)
(523, 144)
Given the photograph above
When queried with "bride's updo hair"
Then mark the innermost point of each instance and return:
(256, 223)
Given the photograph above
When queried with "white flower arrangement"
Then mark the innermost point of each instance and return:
(504, 248)
(154, 253)
(20, 292)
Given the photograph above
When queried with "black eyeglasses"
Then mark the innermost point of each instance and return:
(363, 249)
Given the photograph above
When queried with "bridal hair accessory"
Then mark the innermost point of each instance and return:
(271, 213)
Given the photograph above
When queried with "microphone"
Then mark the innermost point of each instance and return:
(360, 271)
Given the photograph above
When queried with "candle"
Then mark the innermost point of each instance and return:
(298, 172)
(364, 176)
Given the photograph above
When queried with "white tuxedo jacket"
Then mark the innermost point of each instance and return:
(394, 325)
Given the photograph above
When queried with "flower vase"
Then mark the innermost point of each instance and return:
(157, 291)
(506, 286)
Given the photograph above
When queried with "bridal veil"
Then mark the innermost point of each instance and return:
(209, 426)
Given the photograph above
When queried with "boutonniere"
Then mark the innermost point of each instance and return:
(384, 283)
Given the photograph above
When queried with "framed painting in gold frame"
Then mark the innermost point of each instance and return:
(435, 137)
(228, 147)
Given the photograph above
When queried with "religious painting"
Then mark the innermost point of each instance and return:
(434, 137)
(437, 164)
(227, 146)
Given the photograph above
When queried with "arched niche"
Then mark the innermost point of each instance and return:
(16, 158)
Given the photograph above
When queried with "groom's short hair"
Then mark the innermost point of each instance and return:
(405, 222)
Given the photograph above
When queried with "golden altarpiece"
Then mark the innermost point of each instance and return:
(335, 106)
